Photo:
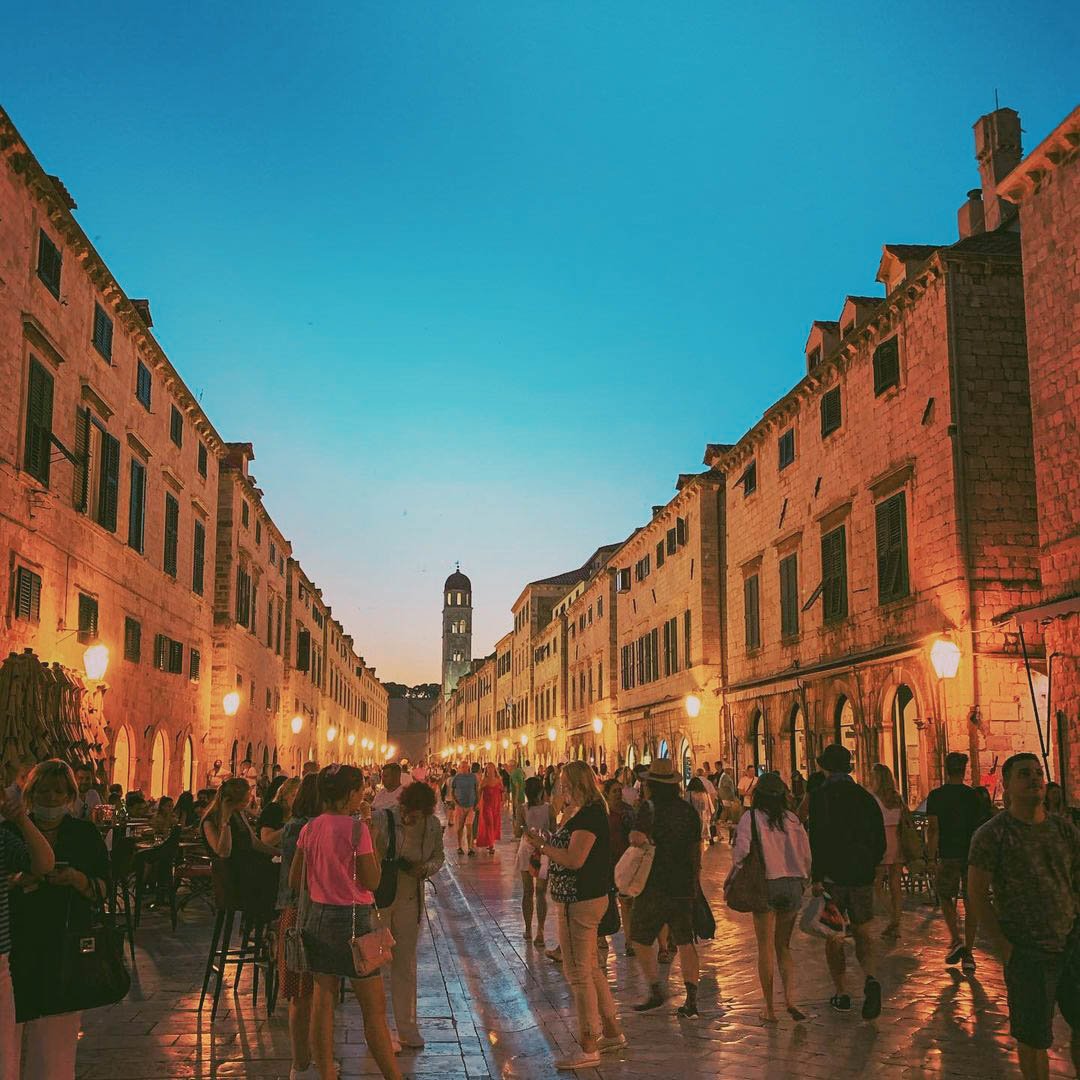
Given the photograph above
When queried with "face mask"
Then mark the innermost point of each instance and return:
(49, 814)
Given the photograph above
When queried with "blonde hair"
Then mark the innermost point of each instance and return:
(579, 784)
(287, 791)
(884, 786)
(232, 790)
(52, 769)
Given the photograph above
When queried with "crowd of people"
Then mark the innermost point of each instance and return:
(337, 856)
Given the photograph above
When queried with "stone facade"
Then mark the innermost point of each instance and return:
(1046, 187)
(122, 520)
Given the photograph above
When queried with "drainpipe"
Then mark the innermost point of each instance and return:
(1043, 743)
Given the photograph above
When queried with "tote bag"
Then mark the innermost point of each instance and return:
(633, 869)
(747, 888)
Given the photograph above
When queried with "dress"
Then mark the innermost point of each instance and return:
(891, 818)
(490, 829)
(541, 819)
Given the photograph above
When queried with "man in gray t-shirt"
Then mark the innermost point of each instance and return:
(464, 790)
(1032, 861)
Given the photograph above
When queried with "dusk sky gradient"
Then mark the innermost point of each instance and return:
(478, 280)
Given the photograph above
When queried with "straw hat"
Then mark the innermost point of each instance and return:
(662, 771)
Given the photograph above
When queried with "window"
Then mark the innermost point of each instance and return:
(102, 338)
(258, 533)
(892, 555)
(27, 595)
(194, 664)
(172, 534)
(623, 580)
(137, 506)
(49, 264)
(749, 479)
(834, 575)
(752, 611)
(202, 462)
(88, 619)
(132, 639)
(198, 558)
(672, 542)
(686, 639)
(168, 655)
(599, 607)
(830, 411)
(789, 596)
(144, 383)
(627, 657)
(659, 554)
(886, 365)
(97, 474)
(786, 447)
(642, 569)
(244, 514)
(176, 425)
(39, 410)
(303, 650)
(671, 646)
(176, 658)
(680, 531)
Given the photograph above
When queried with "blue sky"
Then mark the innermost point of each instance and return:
(479, 280)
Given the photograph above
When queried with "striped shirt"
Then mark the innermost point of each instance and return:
(14, 857)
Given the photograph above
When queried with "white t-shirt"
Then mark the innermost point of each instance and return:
(386, 800)
(85, 803)
(786, 851)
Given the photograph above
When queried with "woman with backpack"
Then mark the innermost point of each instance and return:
(785, 850)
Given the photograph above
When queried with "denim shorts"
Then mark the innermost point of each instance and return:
(327, 932)
(785, 894)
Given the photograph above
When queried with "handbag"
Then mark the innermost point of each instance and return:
(746, 888)
(633, 869)
(611, 922)
(372, 950)
(822, 918)
(92, 970)
(387, 890)
(911, 842)
(295, 953)
(704, 922)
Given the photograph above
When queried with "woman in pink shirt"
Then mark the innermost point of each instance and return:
(336, 860)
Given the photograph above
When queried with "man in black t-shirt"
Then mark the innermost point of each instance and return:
(672, 825)
(954, 815)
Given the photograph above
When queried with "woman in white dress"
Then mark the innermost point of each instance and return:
(883, 787)
(534, 813)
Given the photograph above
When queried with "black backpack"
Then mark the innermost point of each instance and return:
(387, 890)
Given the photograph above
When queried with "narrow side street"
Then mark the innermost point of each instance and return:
(491, 1005)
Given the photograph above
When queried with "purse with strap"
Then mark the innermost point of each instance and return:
(372, 950)
(746, 889)
(633, 869)
(295, 953)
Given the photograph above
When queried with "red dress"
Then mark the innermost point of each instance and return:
(491, 804)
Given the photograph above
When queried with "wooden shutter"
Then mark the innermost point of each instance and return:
(830, 411)
(110, 481)
(132, 640)
(27, 595)
(103, 332)
(172, 534)
(680, 531)
(194, 664)
(834, 574)
(789, 596)
(751, 613)
(303, 650)
(176, 658)
(137, 506)
(891, 528)
(50, 262)
(198, 558)
(82, 458)
(886, 365)
(686, 639)
(161, 644)
(659, 554)
(88, 619)
(39, 407)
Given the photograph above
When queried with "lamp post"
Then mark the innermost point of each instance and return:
(945, 659)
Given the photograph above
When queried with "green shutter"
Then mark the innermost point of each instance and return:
(789, 596)
(27, 595)
(891, 529)
(172, 531)
(82, 458)
(137, 506)
(39, 406)
(110, 481)
(198, 558)
(88, 619)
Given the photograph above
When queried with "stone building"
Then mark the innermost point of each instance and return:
(668, 633)
(128, 525)
(1046, 188)
(456, 629)
(549, 691)
(108, 483)
(882, 513)
(409, 725)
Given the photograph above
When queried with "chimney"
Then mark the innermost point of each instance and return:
(970, 218)
(142, 309)
(998, 151)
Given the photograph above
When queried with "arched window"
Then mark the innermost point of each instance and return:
(844, 726)
(232, 757)
(759, 735)
(798, 742)
(187, 766)
(631, 756)
(121, 752)
(906, 747)
(685, 762)
(159, 766)
(664, 750)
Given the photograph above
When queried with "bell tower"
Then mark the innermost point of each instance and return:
(457, 617)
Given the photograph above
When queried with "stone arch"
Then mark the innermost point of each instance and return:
(122, 757)
(160, 762)
(758, 735)
(798, 740)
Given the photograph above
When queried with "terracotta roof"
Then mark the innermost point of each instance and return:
(907, 252)
(998, 242)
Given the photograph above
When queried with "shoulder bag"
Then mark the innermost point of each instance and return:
(372, 950)
(92, 970)
(387, 890)
(704, 921)
(747, 888)
(295, 954)
(633, 869)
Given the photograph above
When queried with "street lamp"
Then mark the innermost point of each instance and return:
(351, 739)
(231, 703)
(331, 733)
(597, 725)
(945, 657)
(506, 744)
(487, 745)
(693, 706)
(552, 734)
(96, 661)
(524, 740)
(297, 724)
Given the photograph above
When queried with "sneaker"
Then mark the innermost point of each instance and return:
(841, 1002)
(955, 953)
(871, 1006)
(581, 1060)
(606, 1044)
(687, 1011)
(967, 964)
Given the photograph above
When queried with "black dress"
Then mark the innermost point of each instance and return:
(39, 918)
(252, 877)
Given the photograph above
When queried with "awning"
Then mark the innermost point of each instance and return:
(1052, 609)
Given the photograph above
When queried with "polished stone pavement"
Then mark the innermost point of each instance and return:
(491, 1005)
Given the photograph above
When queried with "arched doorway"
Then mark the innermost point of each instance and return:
(232, 757)
(266, 761)
(686, 765)
(187, 766)
(759, 736)
(844, 726)
(906, 746)
(664, 751)
(159, 766)
(250, 755)
(121, 772)
(646, 753)
(631, 756)
(799, 758)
